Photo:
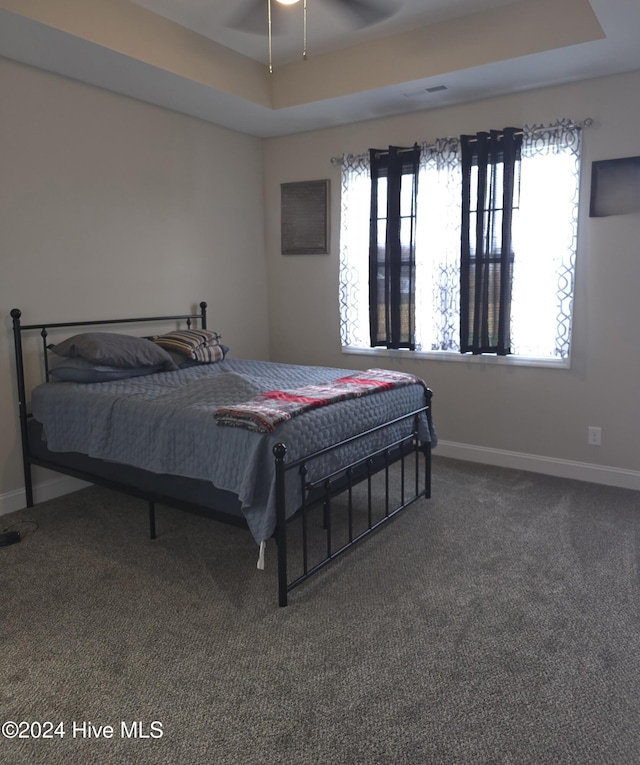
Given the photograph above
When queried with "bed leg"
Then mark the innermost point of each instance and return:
(427, 449)
(22, 405)
(280, 451)
(28, 484)
(427, 471)
(152, 520)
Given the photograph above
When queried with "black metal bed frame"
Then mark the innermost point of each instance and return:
(318, 493)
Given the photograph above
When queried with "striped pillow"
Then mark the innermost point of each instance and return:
(198, 344)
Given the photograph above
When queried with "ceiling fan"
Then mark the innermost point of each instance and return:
(357, 13)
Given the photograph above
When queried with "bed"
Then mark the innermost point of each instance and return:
(252, 443)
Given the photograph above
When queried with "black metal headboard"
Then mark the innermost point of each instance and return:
(19, 328)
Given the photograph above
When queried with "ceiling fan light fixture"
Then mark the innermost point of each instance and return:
(287, 2)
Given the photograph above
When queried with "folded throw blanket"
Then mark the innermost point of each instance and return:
(269, 409)
(196, 344)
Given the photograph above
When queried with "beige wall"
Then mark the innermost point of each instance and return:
(501, 410)
(111, 207)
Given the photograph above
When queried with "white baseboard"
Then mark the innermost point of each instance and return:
(580, 471)
(54, 487)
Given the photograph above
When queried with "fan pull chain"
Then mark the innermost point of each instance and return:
(304, 32)
(269, 30)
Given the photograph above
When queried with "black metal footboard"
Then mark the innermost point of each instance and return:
(323, 491)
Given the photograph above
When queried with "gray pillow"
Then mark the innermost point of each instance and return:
(80, 370)
(115, 350)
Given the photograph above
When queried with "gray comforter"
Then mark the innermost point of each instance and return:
(164, 423)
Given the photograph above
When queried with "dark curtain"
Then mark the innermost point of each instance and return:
(394, 188)
(490, 191)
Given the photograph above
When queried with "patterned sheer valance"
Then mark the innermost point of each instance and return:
(544, 230)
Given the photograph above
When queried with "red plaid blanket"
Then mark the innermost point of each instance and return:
(269, 409)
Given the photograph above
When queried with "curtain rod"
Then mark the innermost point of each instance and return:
(587, 122)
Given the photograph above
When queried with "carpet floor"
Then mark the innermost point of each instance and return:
(498, 622)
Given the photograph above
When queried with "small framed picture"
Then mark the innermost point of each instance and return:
(615, 187)
(304, 218)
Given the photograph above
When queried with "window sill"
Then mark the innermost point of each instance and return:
(466, 358)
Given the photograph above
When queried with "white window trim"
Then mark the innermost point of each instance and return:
(452, 356)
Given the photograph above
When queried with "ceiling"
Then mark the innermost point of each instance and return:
(183, 55)
(327, 28)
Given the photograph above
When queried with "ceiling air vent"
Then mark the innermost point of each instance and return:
(422, 92)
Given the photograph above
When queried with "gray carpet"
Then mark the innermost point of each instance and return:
(496, 623)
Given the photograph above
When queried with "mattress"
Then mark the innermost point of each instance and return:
(163, 423)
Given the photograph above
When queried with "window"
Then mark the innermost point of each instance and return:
(540, 259)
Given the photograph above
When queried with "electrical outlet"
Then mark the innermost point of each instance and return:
(594, 436)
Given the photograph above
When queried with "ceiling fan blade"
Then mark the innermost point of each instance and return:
(254, 16)
(365, 13)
